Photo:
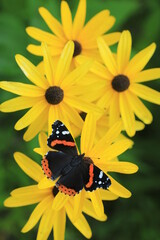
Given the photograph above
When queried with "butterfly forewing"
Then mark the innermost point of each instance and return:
(61, 139)
(54, 163)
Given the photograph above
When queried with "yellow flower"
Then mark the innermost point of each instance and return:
(52, 205)
(84, 37)
(104, 155)
(54, 95)
(123, 79)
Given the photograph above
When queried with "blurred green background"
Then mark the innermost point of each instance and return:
(134, 218)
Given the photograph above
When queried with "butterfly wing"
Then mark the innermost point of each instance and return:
(61, 139)
(71, 183)
(94, 178)
(55, 163)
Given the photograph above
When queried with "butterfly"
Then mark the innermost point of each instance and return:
(74, 171)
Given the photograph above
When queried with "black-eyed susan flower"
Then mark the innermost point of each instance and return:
(84, 36)
(54, 95)
(123, 79)
(52, 205)
(103, 154)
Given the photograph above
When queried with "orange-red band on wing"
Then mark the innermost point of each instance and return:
(69, 191)
(64, 142)
(45, 168)
(91, 175)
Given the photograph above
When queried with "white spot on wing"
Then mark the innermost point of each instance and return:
(65, 132)
(99, 182)
(57, 132)
(101, 174)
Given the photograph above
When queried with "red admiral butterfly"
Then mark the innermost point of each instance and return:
(74, 171)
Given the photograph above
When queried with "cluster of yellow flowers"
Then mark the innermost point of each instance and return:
(95, 93)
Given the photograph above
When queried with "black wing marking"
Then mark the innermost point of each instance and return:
(94, 178)
(55, 163)
(71, 183)
(61, 139)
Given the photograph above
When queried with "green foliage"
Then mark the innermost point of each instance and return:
(135, 218)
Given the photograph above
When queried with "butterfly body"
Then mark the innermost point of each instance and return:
(74, 171)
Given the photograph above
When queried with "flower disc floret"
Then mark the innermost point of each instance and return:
(120, 83)
(54, 95)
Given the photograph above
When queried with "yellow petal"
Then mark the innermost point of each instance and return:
(146, 93)
(118, 189)
(139, 126)
(124, 50)
(53, 115)
(64, 62)
(31, 115)
(79, 19)
(60, 201)
(81, 224)
(43, 36)
(37, 213)
(89, 210)
(139, 108)
(46, 183)
(97, 26)
(77, 74)
(108, 138)
(66, 18)
(31, 168)
(19, 202)
(46, 224)
(78, 203)
(105, 101)
(36, 126)
(107, 195)
(147, 75)
(37, 50)
(127, 115)
(83, 106)
(29, 191)
(101, 71)
(48, 65)
(120, 167)
(72, 115)
(23, 89)
(116, 149)
(114, 111)
(43, 142)
(107, 56)
(59, 224)
(139, 61)
(97, 203)
(18, 103)
(31, 71)
(112, 38)
(88, 133)
(39, 151)
(97, 68)
(52, 23)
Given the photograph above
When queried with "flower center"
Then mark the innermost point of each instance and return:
(54, 95)
(120, 83)
(55, 191)
(77, 48)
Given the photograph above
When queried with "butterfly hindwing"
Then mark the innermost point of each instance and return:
(71, 183)
(95, 178)
(54, 163)
(61, 139)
